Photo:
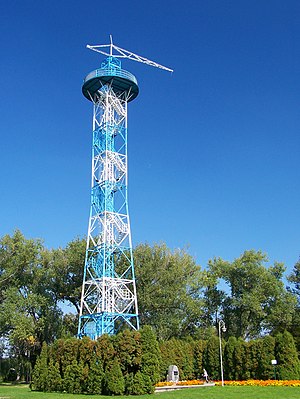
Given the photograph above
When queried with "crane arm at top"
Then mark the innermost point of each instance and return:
(121, 53)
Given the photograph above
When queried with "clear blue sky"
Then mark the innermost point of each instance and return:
(214, 147)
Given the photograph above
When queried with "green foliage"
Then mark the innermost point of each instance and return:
(94, 377)
(294, 279)
(239, 359)
(175, 297)
(199, 348)
(211, 358)
(138, 384)
(287, 356)
(40, 373)
(248, 357)
(229, 362)
(67, 265)
(113, 382)
(129, 351)
(29, 314)
(151, 356)
(68, 353)
(266, 353)
(105, 350)
(127, 362)
(186, 350)
(72, 377)
(86, 350)
(256, 299)
(169, 286)
(54, 380)
(181, 353)
(253, 352)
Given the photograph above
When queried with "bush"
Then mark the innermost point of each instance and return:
(54, 380)
(199, 347)
(102, 366)
(94, 378)
(138, 384)
(211, 358)
(72, 377)
(151, 356)
(113, 383)
(287, 357)
(40, 372)
(229, 365)
(266, 348)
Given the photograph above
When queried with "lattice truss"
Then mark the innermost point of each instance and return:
(109, 291)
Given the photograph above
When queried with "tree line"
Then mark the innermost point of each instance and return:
(176, 296)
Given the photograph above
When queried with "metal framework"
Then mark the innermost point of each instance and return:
(121, 53)
(109, 297)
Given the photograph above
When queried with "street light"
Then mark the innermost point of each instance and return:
(274, 362)
(223, 328)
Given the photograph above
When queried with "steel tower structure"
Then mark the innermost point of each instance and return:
(108, 296)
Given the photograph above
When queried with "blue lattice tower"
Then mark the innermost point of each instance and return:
(109, 291)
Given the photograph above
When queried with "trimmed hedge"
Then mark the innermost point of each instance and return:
(127, 363)
(132, 362)
(242, 360)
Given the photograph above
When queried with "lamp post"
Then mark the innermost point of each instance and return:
(223, 328)
(274, 362)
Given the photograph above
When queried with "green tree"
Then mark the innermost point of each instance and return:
(40, 372)
(294, 279)
(253, 353)
(105, 350)
(54, 380)
(239, 359)
(151, 357)
(211, 359)
(213, 298)
(287, 356)
(266, 348)
(72, 377)
(94, 378)
(29, 313)
(169, 289)
(256, 299)
(199, 348)
(68, 265)
(138, 384)
(68, 353)
(229, 364)
(129, 350)
(168, 356)
(113, 382)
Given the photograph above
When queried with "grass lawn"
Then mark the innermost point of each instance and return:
(249, 392)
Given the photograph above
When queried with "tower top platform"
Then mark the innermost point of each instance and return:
(110, 73)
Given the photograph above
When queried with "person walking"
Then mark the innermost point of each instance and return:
(205, 375)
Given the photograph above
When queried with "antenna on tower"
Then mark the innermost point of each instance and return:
(122, 53)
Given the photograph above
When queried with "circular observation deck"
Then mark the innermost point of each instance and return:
(122, 82)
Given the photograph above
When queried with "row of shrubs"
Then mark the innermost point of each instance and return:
(242, 360)
(132, 362)
(127, 363)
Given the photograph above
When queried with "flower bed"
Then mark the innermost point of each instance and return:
(262, 383)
